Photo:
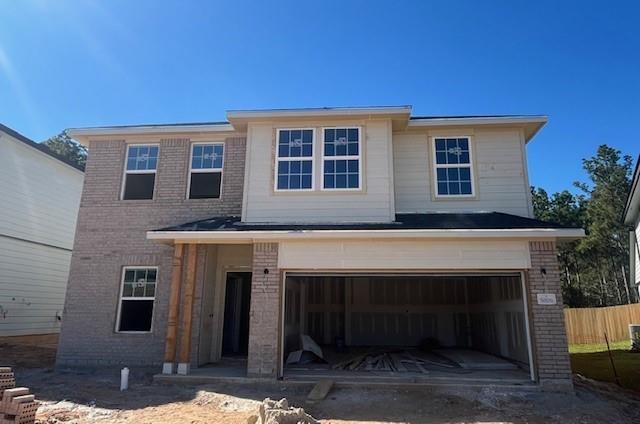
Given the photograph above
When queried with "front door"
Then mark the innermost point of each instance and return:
(235, 332)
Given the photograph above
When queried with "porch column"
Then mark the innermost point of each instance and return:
(174, 311)
(262, 359)
(187, 311)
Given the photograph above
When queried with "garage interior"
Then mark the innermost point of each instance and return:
(418, 327)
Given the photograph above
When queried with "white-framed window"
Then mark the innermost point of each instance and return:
(205, 170)
(140, 171)
(341, 159)
(453, 167)
(294, 159)
(137, 298)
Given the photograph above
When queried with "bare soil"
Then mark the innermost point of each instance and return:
(93, 396)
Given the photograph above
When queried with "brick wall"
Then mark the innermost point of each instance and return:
(547, 321)
(263, 356)
(111, 233)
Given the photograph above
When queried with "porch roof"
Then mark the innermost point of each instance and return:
(478, 224)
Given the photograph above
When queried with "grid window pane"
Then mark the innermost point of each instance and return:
(295, 143)
(207, 156)
(452, 151)
(454, 180)
(142, 158)
(137, 281)
(294, 174)
(341, 142)
(341, 174)
(453, 166)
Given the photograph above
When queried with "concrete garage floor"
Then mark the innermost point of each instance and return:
(93, 396)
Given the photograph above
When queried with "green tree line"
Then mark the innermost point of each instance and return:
(594, 269)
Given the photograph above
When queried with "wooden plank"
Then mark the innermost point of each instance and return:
(174, 305)
(319, 391)
(187, 311)
(397, 363)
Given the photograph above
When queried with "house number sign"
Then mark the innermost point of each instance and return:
(546, 299)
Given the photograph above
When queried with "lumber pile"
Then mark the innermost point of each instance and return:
(17, 405)
(393, 361)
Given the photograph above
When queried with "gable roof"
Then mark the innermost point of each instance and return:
(39, 146)
(633, 198)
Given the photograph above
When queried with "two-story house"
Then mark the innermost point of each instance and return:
(358, 227)
(631, 218)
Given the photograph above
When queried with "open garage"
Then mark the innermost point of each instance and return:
(422, 327)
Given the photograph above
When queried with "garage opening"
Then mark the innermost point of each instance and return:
(421, 327)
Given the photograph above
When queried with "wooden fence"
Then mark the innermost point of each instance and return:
(588, 325)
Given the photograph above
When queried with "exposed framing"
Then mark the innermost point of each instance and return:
(207, 170)
(435, 166)
(120, 298)
(278, 159)
(143, 171)
(347, 158)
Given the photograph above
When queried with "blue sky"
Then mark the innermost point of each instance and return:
(71, 64)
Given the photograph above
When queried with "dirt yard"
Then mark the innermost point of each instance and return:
(93, 396)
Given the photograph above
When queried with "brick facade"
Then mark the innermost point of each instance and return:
(262, 360)
(551, 354)
(111, 233)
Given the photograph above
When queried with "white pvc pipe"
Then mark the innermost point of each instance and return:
(124, 379)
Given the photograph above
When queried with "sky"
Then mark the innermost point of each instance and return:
(91, 63)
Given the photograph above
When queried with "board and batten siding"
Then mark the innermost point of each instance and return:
(501, 182)
(40, 199)
(374, 203)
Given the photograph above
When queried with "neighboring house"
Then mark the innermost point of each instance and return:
(40, 195)
(631, 218)
(355, 226)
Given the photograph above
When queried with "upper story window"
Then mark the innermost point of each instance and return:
(294, 159)
(453, 166)
(205, 170)
(140, 172)
(137, 296)
(341, 159)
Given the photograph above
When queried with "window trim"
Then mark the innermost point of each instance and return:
(291, 159)
(437, 166)
(203, 171)
(125, 268)
(138, 171)
(348, 157)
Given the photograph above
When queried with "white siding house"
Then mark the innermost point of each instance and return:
(40, 199)
(632, 220)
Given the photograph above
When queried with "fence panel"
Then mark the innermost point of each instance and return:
(588, 325)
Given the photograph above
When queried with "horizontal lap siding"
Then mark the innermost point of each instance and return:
(40, 195)
(33, 280)
(499, 174)
(374, 204)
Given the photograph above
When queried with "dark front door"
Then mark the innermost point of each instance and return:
(235, 333)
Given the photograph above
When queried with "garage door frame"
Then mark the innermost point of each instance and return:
(430, 273)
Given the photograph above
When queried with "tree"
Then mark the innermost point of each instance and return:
(66, 147)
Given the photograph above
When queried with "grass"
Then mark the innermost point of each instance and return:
(592, 361)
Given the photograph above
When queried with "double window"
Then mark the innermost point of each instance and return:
(341, 159)
(137, 296)
(453, 167)
(205, 170)
(294, 163)
(140, 172)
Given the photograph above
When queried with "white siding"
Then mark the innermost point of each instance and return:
(373, 204)
(635, 252)
(40, 195)
(500, 174)
(40, 199)
(404, 255)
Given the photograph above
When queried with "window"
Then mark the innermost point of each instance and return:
(341, 159)
(140, 172)
(294, 162)
(453, 166)
(205, 174)
(136, 299)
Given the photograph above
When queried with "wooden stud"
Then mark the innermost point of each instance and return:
(187, 311)
(174, 305)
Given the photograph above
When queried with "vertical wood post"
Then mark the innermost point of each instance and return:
(187, 311)
(174, 311)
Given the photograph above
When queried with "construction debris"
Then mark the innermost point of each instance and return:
(319, 391)
(394, 361)
(310, 352)
(17, 406)
(279, 412)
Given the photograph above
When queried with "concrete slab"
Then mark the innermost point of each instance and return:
(475, 360)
